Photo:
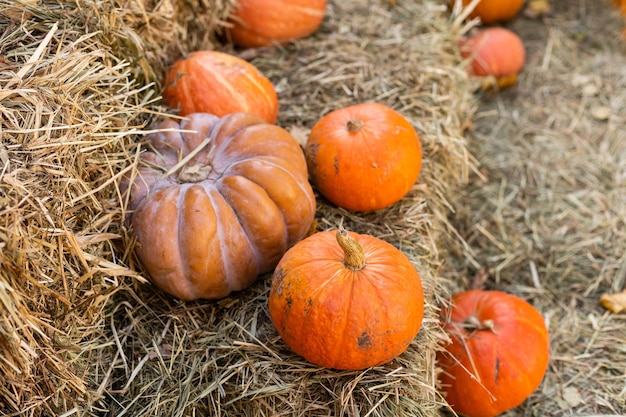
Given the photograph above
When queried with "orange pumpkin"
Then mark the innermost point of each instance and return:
(492, 11)
(262, 22)
(498, 355)
(363, 157)
(345, 300)
(220, 84)
(216, 202)
(495, 52)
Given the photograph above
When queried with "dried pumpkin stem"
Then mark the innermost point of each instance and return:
(189, 156)
(472, 323)
(354, 125)
(354, 258)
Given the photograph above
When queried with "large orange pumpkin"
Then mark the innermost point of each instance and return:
(345, 300)
(220, 84)
(216, 202)
(492, 11)
(363, 157)
(263, 22)
(498, 355)
(496, 52)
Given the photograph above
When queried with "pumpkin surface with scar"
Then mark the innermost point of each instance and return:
(346, 301)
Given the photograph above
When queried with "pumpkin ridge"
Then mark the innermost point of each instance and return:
(235, 93)
(258, 84)
(345, 333)
(220, 232)
(311, 11)
(255, 250)
(270, 160)
(316, 291)
(185, 87)
(302, 186)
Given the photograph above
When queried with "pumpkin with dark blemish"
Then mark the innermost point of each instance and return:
(345, 300)
(498, 354)
(363, 157)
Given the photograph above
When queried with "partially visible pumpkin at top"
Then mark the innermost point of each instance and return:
(495, 52)
(266, 22)
(219, 83)
(363, 157)
(493, 11)
(345, 300)
(215, 202)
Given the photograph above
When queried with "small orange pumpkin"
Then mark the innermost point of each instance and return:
(263, 22)
(217, 201)
(498, 355)
(495, 52)
(220, 84)
(363, 157)
(346, 301)
(492, 11)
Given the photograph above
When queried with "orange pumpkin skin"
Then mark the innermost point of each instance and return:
(492, 11)
(261, 22)
(228, 214)
(220, 84)
(344, 318)
(363, 157)
(503, 341)
(496, 52)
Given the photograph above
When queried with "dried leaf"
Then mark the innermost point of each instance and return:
(601, 112)
(300, 134)
(537, 8)
(572, 397)
(615, 303)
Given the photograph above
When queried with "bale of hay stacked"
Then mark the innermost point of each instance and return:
(83, 331)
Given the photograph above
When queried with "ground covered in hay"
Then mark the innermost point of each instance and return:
(546, 218)
(83, 332)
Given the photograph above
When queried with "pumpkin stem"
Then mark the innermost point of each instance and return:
(195, 173)
(472, 323)
(354, 258)
(354, 125)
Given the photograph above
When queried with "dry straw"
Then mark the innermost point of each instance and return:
(82, 331)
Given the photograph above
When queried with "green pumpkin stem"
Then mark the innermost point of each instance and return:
(354, 258)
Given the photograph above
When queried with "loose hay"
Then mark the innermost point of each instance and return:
(82, 330)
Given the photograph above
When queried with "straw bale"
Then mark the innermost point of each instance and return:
(77, 80)
(83, 331)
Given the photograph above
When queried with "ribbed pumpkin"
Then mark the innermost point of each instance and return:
(345, 300)
(492, 11)
(217, 201)
(363, 157)
(262, 22)
(496, 52)
(498, 355)
(219, 83)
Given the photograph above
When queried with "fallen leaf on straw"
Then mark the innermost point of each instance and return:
(615, 303)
